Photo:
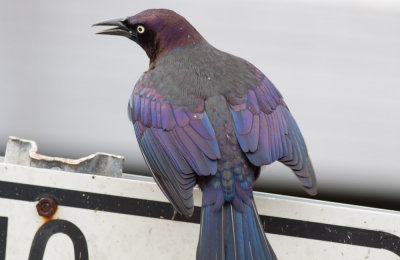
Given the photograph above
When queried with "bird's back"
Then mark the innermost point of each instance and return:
(201, 72)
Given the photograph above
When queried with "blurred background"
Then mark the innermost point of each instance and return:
(337, 63)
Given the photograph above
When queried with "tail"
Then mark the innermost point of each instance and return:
(232, 234)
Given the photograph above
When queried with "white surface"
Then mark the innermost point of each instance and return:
(119, 236)
(108, 235)
(336, 63)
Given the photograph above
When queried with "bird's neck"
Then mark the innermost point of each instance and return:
(171, 38)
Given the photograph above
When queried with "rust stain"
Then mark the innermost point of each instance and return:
(45, 220)
(46, 208)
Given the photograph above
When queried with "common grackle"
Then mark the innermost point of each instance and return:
(206, 117)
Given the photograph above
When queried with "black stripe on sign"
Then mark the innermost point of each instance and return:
(3, 237)
(157, 209)
(331, 233)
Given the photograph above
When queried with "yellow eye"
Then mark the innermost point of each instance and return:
(140, 29)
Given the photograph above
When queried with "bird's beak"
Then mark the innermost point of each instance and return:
(118, 29)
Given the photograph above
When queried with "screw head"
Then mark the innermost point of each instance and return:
(46, 207)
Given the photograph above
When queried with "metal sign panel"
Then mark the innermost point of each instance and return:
(102, 217)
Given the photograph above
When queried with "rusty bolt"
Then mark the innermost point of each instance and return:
(46, 207)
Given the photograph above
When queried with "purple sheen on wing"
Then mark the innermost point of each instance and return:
(271, 135)
(295, 129)
(243, 121)
(247, 118)
(263, 154)
(212, 165)
(141, 92)
(279, 135)
(215, 148)
(274, 137)
(146, 119)
(180, 116)
(264, 106)
(298, 154)
(167, 118)
(152, 93)
(139, 129)
(186, 193)
(243, 141)
(252, 102)
(296, 151)
(166, 176)
(268, 98)
(192, 153)
(167, 168)
(289, 146)
(142, 109)
(269, 138)
(137, 102)
(172, 151)
(270, 89)
(146, 91)
(157, 96)
(203, 127)
(158, 111)
(265, 136)
(153, 106)
(254, 134)
(201, 143)
(283, 130)
(279, 138)
(294, 156)
(285, 149)
(282, 121)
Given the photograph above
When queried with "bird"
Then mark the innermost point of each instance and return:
(208, 118)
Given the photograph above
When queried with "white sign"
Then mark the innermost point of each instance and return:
(103, 218)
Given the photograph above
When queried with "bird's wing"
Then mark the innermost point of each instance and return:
(267, 131)
(178, 142)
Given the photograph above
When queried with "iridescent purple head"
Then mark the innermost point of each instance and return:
(155, 30)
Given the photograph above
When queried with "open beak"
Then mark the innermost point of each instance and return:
(118, 29)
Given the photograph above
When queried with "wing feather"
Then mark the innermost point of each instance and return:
(178, 142)
(267, 132)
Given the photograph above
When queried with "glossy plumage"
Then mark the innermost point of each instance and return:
(207, 117)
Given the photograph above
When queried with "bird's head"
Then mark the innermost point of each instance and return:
(155, 30)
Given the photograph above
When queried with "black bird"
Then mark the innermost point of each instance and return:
(207, 117)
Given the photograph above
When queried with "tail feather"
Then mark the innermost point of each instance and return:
(231, 234)
(210, 241)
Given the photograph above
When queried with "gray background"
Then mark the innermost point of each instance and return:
(337, 63)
